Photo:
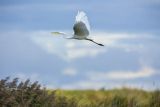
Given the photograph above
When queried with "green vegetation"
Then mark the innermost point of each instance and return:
(27, 94)
(113, 98)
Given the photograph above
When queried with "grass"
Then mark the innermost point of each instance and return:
(124, 97)
(26, 94)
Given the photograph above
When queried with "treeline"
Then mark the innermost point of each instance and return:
(15, 93)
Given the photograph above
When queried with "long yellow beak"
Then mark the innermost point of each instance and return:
(56, 33)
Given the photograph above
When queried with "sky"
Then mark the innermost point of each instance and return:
(129, 29)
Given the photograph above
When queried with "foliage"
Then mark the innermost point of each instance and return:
(26, 94)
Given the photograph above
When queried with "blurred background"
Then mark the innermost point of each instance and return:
(129, 29)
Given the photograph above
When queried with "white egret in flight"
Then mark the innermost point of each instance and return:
(81, 28)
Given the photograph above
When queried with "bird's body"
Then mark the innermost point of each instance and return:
(81, 28)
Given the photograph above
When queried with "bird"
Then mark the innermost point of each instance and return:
(81, 28)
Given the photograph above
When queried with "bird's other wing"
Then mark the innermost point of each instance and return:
(82, 17)
(81, 26)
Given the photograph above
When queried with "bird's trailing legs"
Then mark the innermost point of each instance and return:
(94, 42)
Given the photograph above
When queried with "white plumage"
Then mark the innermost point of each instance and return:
(82, 17)
(81, 28)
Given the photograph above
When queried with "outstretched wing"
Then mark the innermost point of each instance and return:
(81, 26)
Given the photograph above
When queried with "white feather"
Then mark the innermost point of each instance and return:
(81, 17)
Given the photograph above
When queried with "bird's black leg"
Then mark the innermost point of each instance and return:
(94, 42)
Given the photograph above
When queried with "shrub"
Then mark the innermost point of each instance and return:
(24, 94)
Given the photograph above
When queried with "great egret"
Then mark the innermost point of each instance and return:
(81, 28)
